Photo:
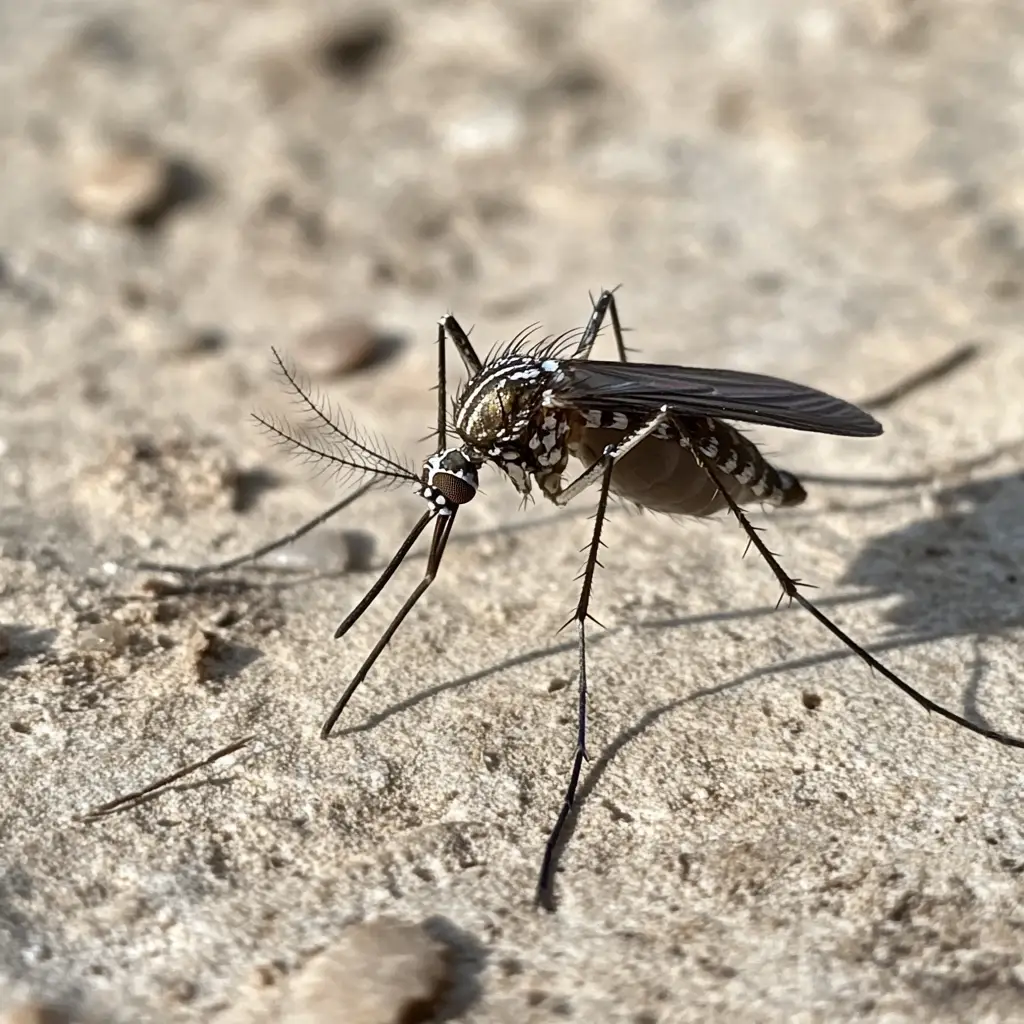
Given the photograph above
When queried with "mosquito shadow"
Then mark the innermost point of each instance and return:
(186, 185)
(594, 639)
(219, 782)
(973, 685)
(963, 355)
(360, 550)
(16, 890)
(976, 539)
(960, 573)
(467, 958)
(250, 485)
(222, 660)
(967, 564)
(906, 485)
(27, 933)
(473, 677)
(19, 644)
(963, 569)
(741, 614)
(601, 764)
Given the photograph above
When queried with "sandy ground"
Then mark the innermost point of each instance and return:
(768, 832)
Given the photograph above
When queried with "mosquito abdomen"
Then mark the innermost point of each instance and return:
(662, 473)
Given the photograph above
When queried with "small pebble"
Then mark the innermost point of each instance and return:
(133, 295)
(337, 347)
(193, 341)
(733, 107)
(283, 74)
(182, 990)
(105, 41)
(108, 637)
(487, 128)
(264, 976)
(811, 701)
(379, 972)
(120, 179)
(350, 50)
(199, 649)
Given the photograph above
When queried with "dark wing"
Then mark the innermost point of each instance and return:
(725, 394)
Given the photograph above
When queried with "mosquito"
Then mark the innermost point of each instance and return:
(656, 436)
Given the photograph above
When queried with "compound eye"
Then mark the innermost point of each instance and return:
(455, 489)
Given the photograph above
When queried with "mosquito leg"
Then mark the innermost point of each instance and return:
(389, 570)
(605, 305)
(440, 387)
(609, 457)
(447, 328)
(597, 314)
(251, 556)
(790, 590)
(460, 339)
(580, 618)
(442, 530)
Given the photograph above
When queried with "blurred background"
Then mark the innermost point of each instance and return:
(830, 191)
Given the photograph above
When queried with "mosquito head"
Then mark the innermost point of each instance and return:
(449, 479)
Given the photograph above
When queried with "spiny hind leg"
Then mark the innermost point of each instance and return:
(790, 589)
(544, 886)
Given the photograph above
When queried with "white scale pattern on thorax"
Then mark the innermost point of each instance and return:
(508, 369)
(547, 443)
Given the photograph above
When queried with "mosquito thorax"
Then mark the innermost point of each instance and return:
(501, 414)
(449, 479)
(496, 406)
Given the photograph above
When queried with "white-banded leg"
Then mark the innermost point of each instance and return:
(609, 457)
